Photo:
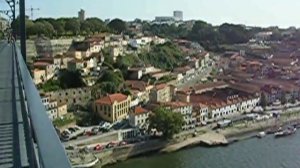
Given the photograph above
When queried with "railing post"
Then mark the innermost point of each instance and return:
(22, 29)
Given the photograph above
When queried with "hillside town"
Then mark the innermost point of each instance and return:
(108, 89)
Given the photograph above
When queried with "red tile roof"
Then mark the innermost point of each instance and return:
(176, 104)
(136, 85)
(140, 110)
(161, 86)
(41, 64)
(110, 99)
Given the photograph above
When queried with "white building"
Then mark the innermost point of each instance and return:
(139, 118)
(51, 107)
(186, 110)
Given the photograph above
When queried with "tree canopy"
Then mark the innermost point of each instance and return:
(70, 79)
(117, 25)
(166, 121)
(165, 56)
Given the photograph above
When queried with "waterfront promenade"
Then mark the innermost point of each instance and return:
(209, 138)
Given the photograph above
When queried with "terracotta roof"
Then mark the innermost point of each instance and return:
(139, 110)
(41, 64)
(161, 86)
(176, 104)
(110, 99)
(182, 69)
(136, 85)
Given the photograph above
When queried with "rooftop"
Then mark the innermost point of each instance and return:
(140, 110)
(110, 99)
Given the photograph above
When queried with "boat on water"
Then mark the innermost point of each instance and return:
(286, 132)
(261, 134)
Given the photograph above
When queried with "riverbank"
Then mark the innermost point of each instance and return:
(211, 138)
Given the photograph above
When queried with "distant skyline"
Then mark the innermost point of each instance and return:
(251, 12)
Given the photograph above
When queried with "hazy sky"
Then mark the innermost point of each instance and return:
(251, 12)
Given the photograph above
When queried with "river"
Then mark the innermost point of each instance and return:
(267, 152)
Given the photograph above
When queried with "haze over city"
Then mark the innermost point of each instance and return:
(254, 12)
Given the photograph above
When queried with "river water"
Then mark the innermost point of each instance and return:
(267, 152)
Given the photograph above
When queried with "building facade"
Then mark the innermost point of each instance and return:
(186, 110)
(51, 107)
(161, 93)
(71, 97)
(113, 108)
(139, 118)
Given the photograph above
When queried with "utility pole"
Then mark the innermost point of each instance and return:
(22, 28)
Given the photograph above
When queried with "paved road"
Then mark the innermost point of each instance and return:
(12, 140)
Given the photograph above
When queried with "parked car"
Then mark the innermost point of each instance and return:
(98, 147)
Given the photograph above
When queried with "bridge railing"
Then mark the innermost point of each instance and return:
(50, 151)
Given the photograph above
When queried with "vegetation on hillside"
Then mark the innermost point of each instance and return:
(165, 56)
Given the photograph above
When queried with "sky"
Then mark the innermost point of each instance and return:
(283, 13)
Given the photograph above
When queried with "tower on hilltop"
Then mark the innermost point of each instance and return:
(81, 15)
(178, 15)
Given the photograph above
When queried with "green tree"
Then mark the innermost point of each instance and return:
(232, 34)
(59, 27)
(70, 79)
(205, 34)
(73, 25)
(166, 121)
(263, 100)
(96, 25)
(117, 25)
(85, 27)
(50, 85)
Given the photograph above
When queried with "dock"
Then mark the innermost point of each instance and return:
(210, 139)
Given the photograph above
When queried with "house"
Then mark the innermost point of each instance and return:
(50, 69)
(135, 73)
(51, 107)
(184, 72)
(62, 109)
(75, 65)
(201, 113)
(186, 110)
(161, 93)
(116, 51)
(140, 90)
(272, 93)
(113, 108)
(139, 117)
(39, 76)
(65, 59)
(72, 97)
(87, 47)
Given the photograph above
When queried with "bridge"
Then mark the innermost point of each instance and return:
(27, 136)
